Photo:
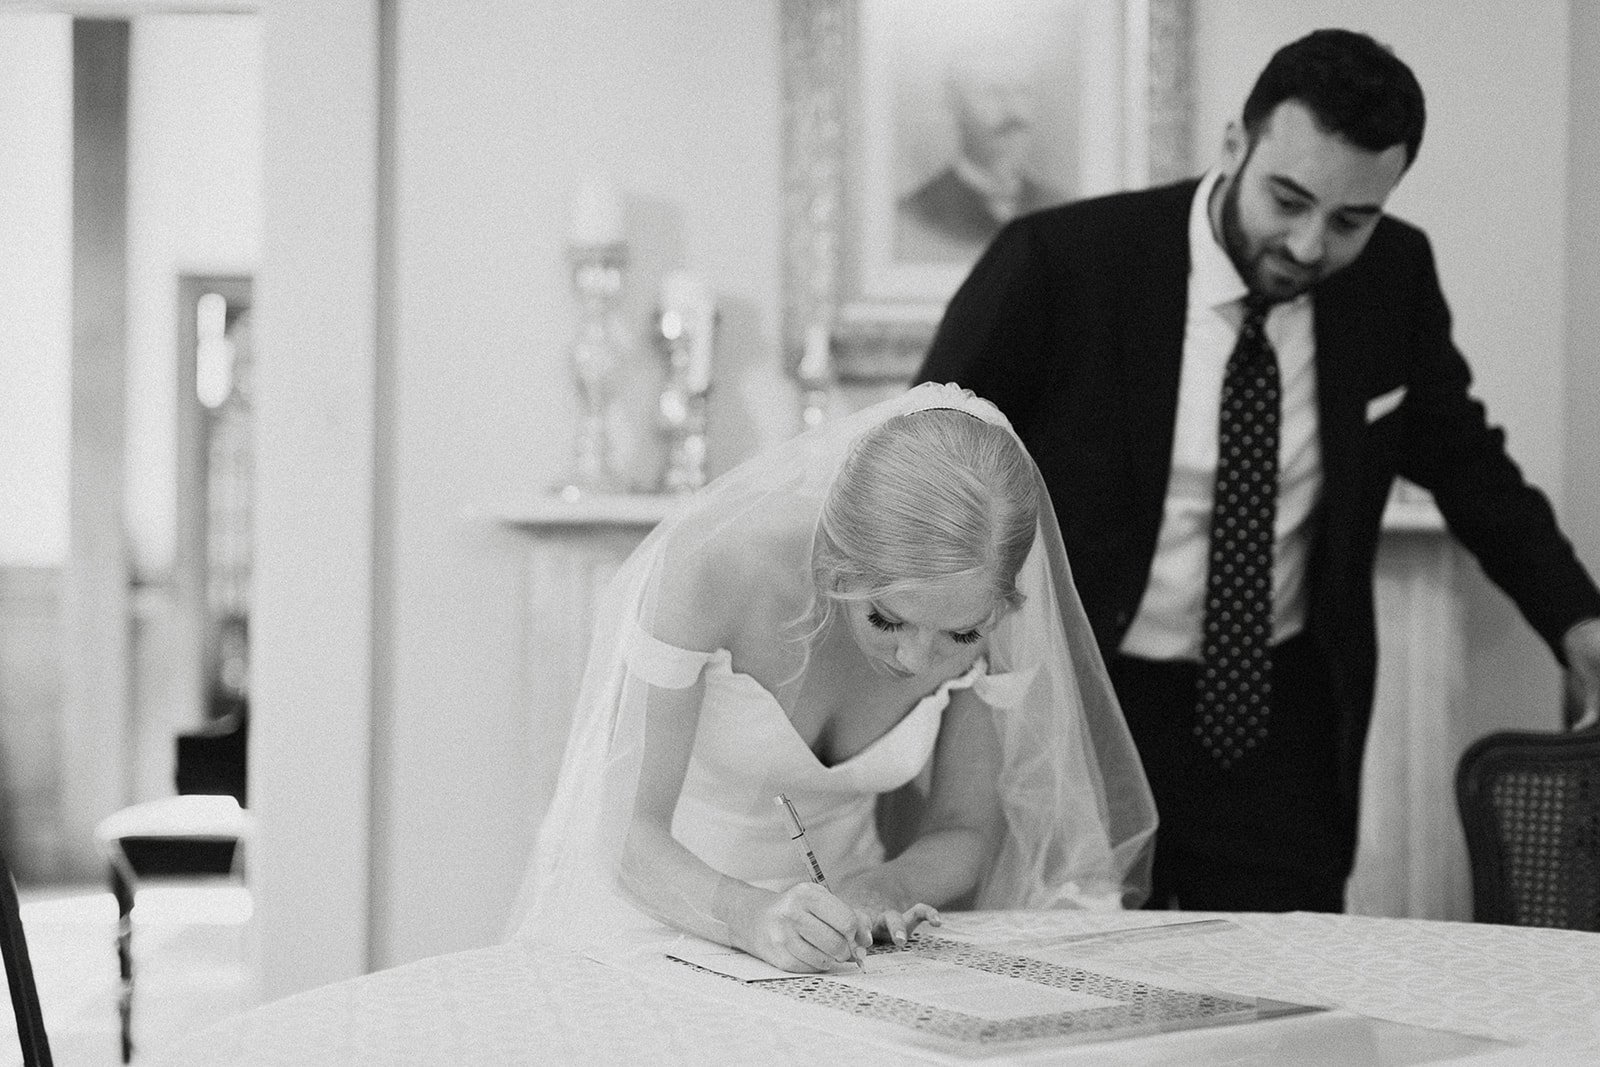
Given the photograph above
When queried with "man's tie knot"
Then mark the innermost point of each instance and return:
(1252, 332)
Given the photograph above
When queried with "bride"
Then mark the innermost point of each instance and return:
(881, 602)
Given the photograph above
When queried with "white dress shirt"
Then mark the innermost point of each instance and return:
(1168, 623)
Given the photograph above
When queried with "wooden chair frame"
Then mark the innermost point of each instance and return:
(1492, 759)
(19, 975)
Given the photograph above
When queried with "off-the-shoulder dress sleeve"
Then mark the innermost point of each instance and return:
(660, 664)
(1004, 690)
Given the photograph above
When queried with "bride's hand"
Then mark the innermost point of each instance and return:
(880, 912)
(897, 926)
(806, 928)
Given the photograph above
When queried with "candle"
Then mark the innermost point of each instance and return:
(686, 297)
(684, 293)
(596, 214)
(699, 376)
(815, 357)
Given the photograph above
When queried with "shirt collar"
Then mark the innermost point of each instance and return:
(1213, 281)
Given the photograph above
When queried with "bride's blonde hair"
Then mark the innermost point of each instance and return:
(927, 497)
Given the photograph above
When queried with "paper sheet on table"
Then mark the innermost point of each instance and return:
(736, 964)
(907, 976)
(746, 968)
(638, 946)
(1097, 939)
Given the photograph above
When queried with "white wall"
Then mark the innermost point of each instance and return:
(35, 285)
(1583, 284)
(1490, 187)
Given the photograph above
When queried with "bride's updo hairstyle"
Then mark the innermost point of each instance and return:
(926, 497)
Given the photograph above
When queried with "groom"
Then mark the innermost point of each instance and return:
(1220, 380)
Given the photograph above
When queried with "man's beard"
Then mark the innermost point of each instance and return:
(1237, 245)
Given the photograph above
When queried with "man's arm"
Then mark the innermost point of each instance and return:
(1508, 524)
(1452, 450)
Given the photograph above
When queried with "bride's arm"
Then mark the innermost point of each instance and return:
(805, 928)
(960, 831)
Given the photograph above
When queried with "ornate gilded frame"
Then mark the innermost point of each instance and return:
(881, 342)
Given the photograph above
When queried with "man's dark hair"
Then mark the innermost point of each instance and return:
(1354, 86)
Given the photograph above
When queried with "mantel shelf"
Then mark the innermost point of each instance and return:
(552, 512)
(645, 510)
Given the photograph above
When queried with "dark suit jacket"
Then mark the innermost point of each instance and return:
(1072, 322)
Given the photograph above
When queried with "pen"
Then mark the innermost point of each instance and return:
(802, 843)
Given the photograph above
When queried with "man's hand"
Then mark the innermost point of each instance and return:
(1582, 646)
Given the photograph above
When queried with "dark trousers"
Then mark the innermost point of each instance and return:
(1264, 835)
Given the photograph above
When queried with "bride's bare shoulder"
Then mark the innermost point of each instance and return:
(719, 577)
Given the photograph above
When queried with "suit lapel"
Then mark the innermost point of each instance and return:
(1340, 363)
(1152, 351)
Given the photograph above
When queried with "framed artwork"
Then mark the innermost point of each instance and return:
(914, 129)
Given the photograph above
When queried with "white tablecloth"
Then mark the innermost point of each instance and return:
(522, 1004)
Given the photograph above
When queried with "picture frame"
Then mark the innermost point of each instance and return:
(1080, 97)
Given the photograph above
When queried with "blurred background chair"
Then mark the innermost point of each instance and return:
(19, 975)
(201, 833)
(1530, 808)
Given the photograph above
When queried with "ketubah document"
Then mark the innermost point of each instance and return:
(958, 999)
(968, 1000)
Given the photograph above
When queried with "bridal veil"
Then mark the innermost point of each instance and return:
(1078, 813)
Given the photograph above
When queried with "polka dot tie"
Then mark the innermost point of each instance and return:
(1235, 685)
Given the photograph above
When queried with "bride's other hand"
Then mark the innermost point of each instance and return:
(880, 911)
(897, 926)
(806, 928)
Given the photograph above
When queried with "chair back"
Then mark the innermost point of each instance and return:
(1530, 807)
(19, 975)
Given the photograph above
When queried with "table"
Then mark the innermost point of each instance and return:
(520, 1003)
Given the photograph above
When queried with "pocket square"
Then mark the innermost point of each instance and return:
(1381, 405)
